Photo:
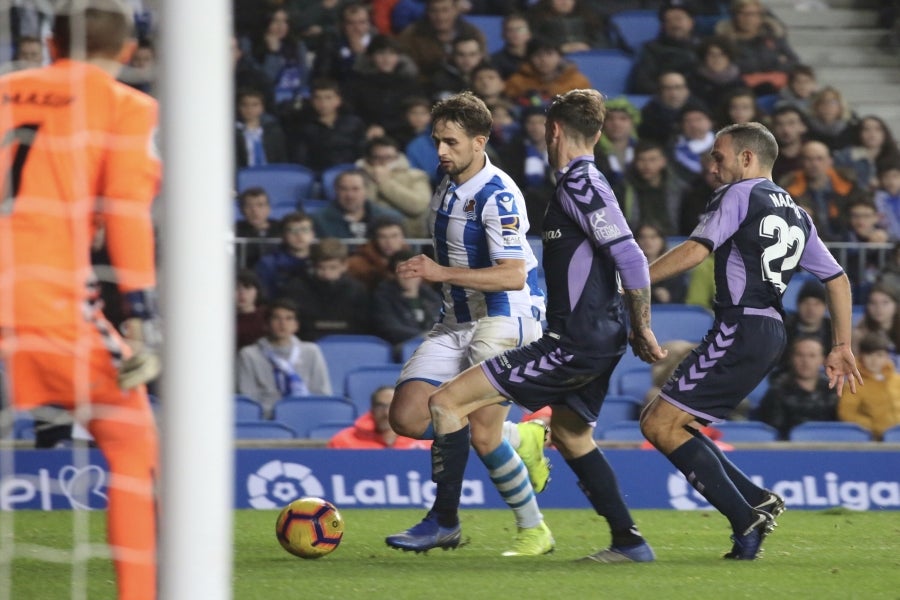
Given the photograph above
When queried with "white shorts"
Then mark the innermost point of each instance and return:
(448, 350)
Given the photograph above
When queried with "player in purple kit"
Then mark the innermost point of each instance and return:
(586, 241)
(760, 237)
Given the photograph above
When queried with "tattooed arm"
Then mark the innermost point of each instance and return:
(643, 341)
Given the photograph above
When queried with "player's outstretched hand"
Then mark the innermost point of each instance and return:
(144, 363)
(419, 266)
(840, 367)
(644, 345)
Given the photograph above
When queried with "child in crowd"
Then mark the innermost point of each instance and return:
(876, 404)
(291, 259)
(887, 197)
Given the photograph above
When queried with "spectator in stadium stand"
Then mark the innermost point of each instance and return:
(653, 244)
(351, 213)
(873, 143)
(569, 25)
(428, 39)
(315, 20)
(516, 35)
(764, 55)
(338, 52)
(279, 365)
(876, 404)
(674, 49)
(801, 86)
(614, 152)
(369, 263)
(880, 315)
(259, 139)
(889, 277)
(801, 394)
(393, 184)
(524, 158)
(887, 196)
(455, 73)
(830, 119)
(255, 209)
(659, 117)
(739, 106)
(403, 309)
(29, 54)
(281, 56)
(379, 83)
(695, 138)
(250, 323)
(248, 76)
(330, 300)
(488, 84)
(291, 259)
(789, 128)
(809, 320)
(545, 73)
(862, 263)
(823, 190)
(651, 191)
(420, 150)
(325, 134)
(140, 72)
(372, 431)
(695, 197)
(416, 121)
(715, 73)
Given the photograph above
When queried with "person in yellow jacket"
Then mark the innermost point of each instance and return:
(876, 404)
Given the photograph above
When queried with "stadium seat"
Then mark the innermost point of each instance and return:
(858, 310)
(344, 353)
(312, 205)
(286, 184)
(329, 175)
(892, 434)
(616, 409)
(756, 396)
(409, 347)
(492, 28)
(325, 431)
(635, 382)
(789, 298)
(23, 426)
(623, 431)
(746, 431)
(303, 413)
(361, 382)
(607, 70)
(262, 430)
(766, 103)
(247, 409)
(829, 431)
(680, 322)
(639, 101)
(635, 27)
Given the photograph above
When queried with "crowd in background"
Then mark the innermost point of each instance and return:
(332, 83)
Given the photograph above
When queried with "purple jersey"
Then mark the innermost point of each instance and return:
(586, 240)
(760, 238)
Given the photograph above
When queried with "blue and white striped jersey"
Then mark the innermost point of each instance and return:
(475, 225)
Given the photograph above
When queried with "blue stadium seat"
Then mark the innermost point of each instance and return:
(286, 184)
(766, 103)
(635, 382)
(492, 28)
(623, 431)
(789, 298)
(302, 413)
(758, 392)
(635, 27)
(23, 426)
(616, 409)
(325, 431)
(858, 311)
(361, 382)
(829, 431)
(607, 70)
(312, 205)
(639, 101)
(247, 409)
(892, 434)
(329, 175)
(262, 430)
(409, 347)
(680, 322)
(344, 353)
(746, 431)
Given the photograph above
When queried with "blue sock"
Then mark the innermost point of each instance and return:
(598, 482)
(751, 492)
(449, 454)
(704, 471)
(510, 477)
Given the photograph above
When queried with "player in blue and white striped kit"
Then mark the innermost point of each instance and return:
(760, 237)
(491, 303)
(586, 243)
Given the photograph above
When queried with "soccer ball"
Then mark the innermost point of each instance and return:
(309, 527)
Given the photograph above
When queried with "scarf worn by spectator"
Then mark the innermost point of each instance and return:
(287, 380)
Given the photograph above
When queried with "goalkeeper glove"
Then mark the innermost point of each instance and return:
(141, 332)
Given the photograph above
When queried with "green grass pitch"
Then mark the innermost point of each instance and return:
(821, 555)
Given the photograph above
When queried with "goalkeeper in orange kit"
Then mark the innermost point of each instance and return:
(77, 154)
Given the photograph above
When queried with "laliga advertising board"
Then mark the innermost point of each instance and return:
(269, 479)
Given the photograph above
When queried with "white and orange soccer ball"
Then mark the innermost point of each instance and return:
(309, 527)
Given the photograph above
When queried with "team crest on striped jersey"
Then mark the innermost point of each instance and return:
(469, 209)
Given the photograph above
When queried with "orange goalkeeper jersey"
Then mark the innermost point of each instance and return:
(76, 151)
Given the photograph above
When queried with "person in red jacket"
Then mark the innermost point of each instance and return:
(373, 431)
